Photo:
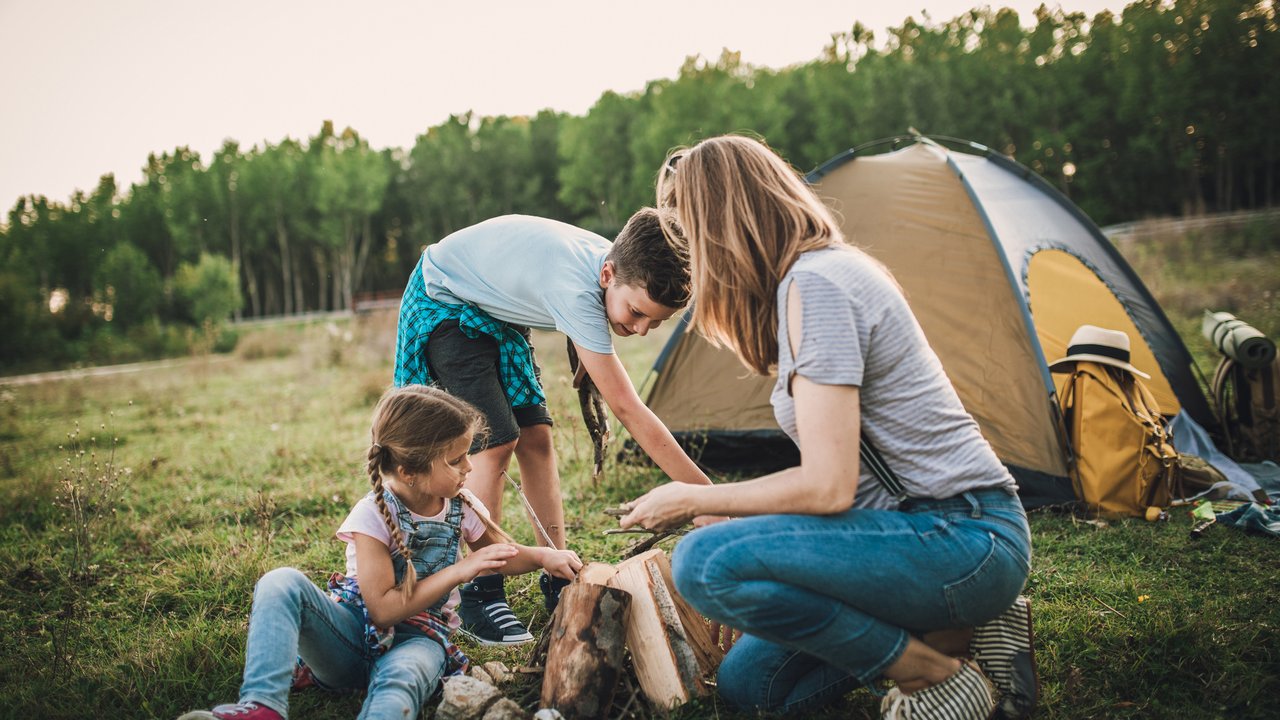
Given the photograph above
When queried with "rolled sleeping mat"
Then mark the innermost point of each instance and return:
(1238, 340)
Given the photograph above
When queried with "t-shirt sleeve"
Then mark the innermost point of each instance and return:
(472, 526)
(831, 348)
(364, 518)
(581, 316)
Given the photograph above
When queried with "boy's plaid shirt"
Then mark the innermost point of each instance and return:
(420, 315)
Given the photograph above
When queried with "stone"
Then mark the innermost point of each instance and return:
(466, 698)
(498, 671)
(479, 673)
(505, 709)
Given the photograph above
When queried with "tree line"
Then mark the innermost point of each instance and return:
(1166, 108)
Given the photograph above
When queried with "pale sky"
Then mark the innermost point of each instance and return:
(91, 87)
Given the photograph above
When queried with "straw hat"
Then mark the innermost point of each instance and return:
(1095, 344)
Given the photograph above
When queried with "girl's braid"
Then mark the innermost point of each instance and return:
(375, 479)
(492, 530)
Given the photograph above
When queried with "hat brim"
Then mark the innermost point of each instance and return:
(1101, 359)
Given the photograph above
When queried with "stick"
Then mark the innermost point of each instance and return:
(529, 508)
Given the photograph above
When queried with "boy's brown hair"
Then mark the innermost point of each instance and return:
(646, 257)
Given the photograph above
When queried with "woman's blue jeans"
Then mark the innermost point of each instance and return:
(291, 617)
(828, 602)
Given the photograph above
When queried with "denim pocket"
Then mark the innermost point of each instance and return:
(978, 596)
(430, 553)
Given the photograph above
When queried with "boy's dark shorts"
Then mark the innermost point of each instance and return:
(468, 368)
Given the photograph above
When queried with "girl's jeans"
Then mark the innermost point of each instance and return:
(291, 617)
(827, 603)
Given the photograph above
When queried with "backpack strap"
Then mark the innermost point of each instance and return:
(889, 480)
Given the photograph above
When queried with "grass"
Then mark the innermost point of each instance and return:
(233, 468)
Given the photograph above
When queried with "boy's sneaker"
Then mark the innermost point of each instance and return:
(963, 696)
(551, 587)
(1005, 651)
(486, 616)
(238, 711)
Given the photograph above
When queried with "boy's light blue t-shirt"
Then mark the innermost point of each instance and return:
(527, 271)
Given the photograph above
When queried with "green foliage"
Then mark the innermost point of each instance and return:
(25, 321)
(128, 282)
(208, 289)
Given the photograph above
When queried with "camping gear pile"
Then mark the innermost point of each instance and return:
(1246, 388)
(1000, 269)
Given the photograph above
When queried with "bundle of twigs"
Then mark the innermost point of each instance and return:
(593, 412)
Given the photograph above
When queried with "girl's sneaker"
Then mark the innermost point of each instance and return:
(1005, 651)
(238, 711)
(963, 696)
(486, 616)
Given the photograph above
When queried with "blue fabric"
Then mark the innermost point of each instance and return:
(1254, 517)
(827, 602)
(433, 545)
(1190, 438)
(1267, 474)
(292, 617)
(419, 317)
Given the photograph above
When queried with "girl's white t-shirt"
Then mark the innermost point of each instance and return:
(365, 519)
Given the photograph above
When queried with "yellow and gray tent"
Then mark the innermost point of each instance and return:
(1000, 269)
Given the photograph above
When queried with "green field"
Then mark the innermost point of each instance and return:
(196, 480)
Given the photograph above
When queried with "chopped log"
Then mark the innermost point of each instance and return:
(596, 573)
(671, 645)
(585, 654)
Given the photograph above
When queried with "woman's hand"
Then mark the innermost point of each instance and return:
(662, 508)
(564, 564)
(485, 560)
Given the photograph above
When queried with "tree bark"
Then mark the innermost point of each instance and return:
(286, 280)
(585, 656)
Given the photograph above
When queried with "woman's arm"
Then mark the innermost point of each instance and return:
(828, 421)
(646, 429)
(388, 605)
(824, 483)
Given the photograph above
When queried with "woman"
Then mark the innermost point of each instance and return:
(833, 580)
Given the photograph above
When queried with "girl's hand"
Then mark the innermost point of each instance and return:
(484, 560)
(564, 564)
(662, 508)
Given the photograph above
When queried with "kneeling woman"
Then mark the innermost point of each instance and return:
(833, 579)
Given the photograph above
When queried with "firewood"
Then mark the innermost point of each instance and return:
(670, 643)
(597, 573)
(586, 649)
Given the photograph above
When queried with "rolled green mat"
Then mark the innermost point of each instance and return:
(1237, 339)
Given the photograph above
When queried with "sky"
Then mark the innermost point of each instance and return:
(92, 87)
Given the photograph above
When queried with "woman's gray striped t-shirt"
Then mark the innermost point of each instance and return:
(858, 330)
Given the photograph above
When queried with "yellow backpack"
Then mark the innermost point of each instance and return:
(1124, 458)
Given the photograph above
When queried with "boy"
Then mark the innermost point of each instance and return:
(464, 326)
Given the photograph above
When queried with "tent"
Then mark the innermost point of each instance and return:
(1000, 269)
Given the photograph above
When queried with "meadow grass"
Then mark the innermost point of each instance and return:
(228, 470)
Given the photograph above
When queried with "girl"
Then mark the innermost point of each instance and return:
(834, 580)
(385, 625)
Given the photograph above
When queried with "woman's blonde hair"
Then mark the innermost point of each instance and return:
(747, 215)
(412, 428)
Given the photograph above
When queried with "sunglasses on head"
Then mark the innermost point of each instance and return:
(672, 161)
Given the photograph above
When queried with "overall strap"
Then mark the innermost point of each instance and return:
(401, 512)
